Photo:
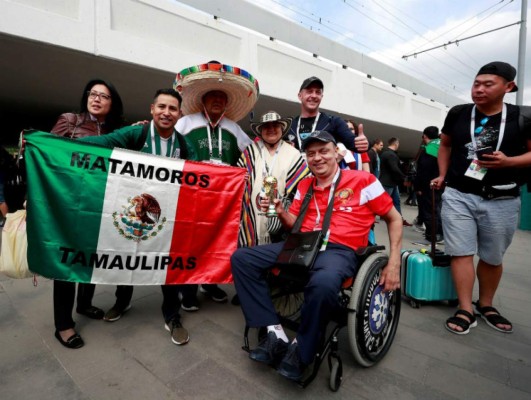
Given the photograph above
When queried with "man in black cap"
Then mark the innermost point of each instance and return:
(358, 197)
(484, 147)
(311, 119)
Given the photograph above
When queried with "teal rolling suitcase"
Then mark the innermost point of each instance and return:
(424, 280)
(426, 275)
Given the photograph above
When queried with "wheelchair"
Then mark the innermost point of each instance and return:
(370, 315)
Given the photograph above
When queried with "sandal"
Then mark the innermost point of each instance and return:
(493, 320)
(461, 322)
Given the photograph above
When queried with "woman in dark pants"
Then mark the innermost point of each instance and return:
(101, 111)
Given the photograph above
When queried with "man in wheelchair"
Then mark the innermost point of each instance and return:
(357, 198)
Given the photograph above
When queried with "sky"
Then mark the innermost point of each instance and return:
(389, 29)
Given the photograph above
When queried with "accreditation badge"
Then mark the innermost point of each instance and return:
(474, 171)
(217, 161)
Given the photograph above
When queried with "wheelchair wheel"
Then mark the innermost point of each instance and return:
(288, 305)
(336, 372)
(372, 327)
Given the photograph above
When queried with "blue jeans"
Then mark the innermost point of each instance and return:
(394, 192)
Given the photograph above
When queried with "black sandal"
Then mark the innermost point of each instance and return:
(461, 322)
(493, 320)
(73, 342)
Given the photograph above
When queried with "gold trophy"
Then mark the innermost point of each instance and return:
(271, 192)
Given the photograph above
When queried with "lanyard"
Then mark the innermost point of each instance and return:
(210, 142)
(502, 127)
(155, 142)
(209, 125)
(330, 197)
(266, 171)
(299, 127)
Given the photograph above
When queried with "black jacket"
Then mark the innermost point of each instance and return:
(332, 124)
(427, 169)
(390, 172)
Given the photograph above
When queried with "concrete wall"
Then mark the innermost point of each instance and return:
(159, 35)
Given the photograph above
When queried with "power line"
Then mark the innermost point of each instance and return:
(462, 23)
(324, 23)
(481, 20)
(398, 19)
(456, 42)
(373, 20)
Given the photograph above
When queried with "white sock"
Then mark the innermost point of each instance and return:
(279, 332)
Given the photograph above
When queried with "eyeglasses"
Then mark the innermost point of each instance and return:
(103, 97)
(481, 127)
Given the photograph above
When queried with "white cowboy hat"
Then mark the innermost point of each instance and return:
(271, 116)
(240, 86)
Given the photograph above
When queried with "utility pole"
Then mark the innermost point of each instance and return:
(521, 55)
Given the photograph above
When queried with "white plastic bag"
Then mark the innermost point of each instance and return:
(13, 257)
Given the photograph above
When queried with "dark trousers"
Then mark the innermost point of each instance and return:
(63, 301)
(190, 290)
(123, 294)
(170, 302)
(331, 268)
(425, 212)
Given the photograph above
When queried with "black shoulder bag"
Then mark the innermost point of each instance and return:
(301, 248)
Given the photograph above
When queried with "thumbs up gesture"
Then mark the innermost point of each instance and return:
(361, 142)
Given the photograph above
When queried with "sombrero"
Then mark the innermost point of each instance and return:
(271, 116)
(239, 85)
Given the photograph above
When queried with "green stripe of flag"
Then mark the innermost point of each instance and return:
(64, 176)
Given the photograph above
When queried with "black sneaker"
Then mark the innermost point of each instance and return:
(214, 292)
(91, 312)
(439, 239)
(270, 350)
(190, 303)
(115, 313)
(291, 366)
(179, 334)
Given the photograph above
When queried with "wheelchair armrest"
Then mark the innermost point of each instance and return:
(366, 251)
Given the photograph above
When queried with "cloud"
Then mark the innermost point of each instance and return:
(386, 30)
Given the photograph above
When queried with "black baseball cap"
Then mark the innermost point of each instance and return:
(506, 71)
(312, 79)
(322, 136)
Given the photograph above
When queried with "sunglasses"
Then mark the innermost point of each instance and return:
(481, 126)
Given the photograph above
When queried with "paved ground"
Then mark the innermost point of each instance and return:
(134, 359)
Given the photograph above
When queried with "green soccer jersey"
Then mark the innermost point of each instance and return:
(203, 142)
(144, 138)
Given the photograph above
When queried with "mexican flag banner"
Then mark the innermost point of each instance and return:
(100, 215)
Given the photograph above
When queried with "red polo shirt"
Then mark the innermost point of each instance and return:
(359, 197)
